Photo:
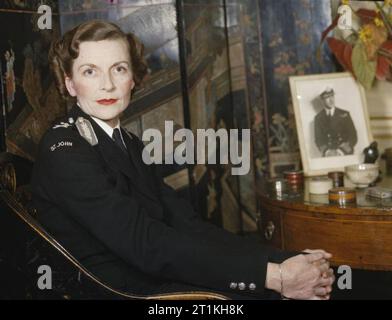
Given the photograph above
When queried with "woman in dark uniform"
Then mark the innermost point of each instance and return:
(95, 195)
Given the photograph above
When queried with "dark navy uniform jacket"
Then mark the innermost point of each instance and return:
(332, 132)
(115, 215)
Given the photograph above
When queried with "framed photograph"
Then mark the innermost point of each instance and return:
(332, 121)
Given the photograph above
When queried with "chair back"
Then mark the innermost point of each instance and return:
(17, 201)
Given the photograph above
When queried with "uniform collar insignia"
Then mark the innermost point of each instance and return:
(86, 130)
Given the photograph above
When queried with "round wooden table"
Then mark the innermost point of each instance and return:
(358, 235)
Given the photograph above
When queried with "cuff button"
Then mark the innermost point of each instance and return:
(233, 285)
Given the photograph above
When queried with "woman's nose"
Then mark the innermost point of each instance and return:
(107, 82)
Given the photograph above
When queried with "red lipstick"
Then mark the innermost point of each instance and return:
(107, 102)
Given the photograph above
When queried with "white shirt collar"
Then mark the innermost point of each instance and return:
(108, 129)
(330, 111)
(105, 127)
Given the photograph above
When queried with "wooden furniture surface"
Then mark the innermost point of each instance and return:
(358, 235)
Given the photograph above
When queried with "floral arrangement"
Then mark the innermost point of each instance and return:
(365, 47)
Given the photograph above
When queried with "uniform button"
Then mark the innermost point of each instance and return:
(252, 286)
(241, 286)
(71, 120)
(233, 285)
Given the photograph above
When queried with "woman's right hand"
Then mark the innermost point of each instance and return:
(303, 277)
(307, 276)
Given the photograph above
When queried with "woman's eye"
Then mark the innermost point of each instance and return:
(120, 69)
(89, 72)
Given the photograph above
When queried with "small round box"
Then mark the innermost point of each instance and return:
(337, 178)
(342, 196)
(320, 185)
(295, 179)
(294, 175)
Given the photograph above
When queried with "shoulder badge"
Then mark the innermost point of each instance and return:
(62, 125)
(86, 130)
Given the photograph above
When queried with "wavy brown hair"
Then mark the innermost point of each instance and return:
(66, 49)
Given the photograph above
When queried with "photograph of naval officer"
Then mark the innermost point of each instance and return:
(335, 132)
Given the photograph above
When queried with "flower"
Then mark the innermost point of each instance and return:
(365, 49)
(373, 38)
(379, 23)
(365, 34)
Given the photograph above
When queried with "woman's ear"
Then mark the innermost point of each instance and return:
(70, 86)
(132, 84)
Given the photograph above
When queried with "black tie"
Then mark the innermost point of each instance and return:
(117, 139)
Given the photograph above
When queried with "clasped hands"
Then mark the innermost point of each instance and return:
(303, 277)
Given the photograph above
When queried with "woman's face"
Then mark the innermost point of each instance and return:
(102, 79)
